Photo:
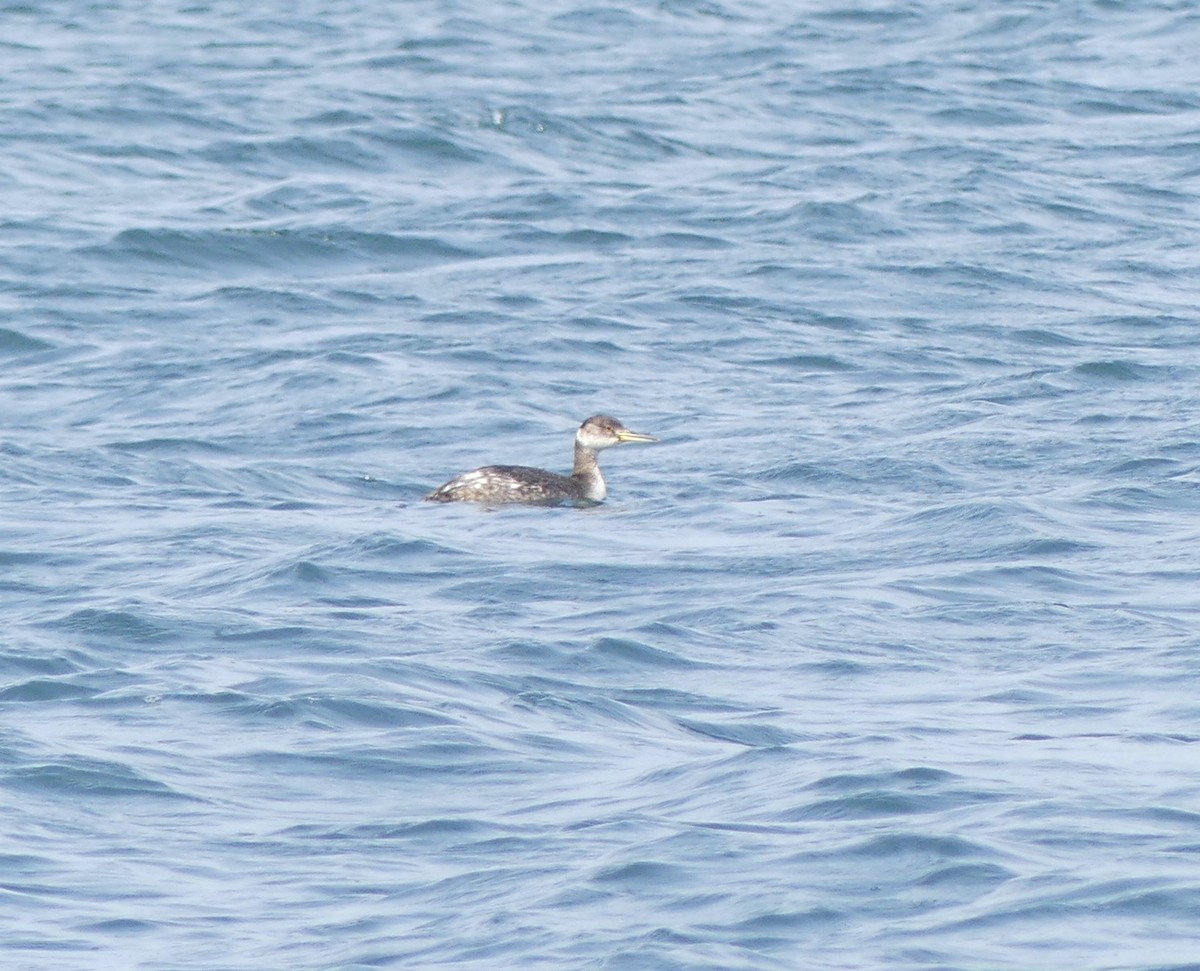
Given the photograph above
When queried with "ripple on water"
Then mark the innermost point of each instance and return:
(246, 252)
(15, 342)
(80, 777)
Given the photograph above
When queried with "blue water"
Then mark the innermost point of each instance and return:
(886, 656)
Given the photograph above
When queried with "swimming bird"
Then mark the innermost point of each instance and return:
(520, 483)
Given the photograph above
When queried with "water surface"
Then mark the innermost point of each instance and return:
(883, 658)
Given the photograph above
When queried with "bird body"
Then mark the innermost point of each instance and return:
(494, 484)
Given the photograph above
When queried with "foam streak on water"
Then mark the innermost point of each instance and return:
(884, 658)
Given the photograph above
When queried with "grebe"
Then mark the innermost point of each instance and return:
(520, 483)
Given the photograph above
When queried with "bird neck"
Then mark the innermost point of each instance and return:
(587, 473)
